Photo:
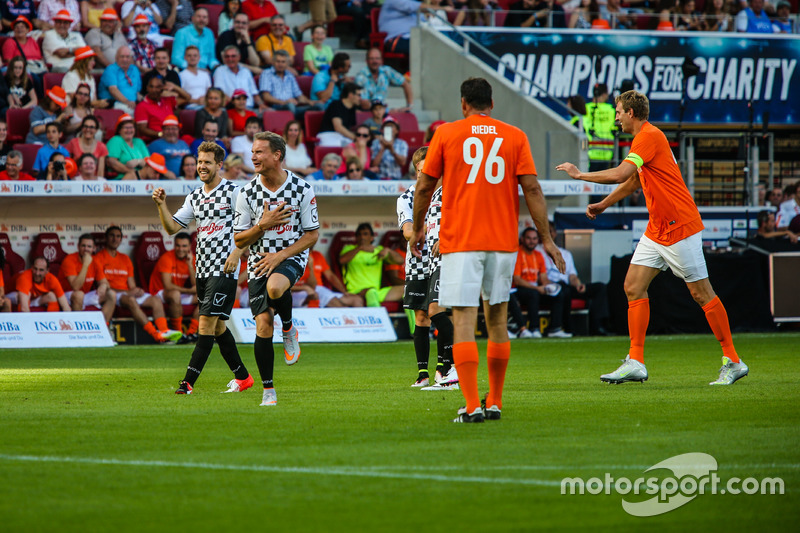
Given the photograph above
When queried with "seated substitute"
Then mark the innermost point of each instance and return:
(84, 283)
(36, 287)
(173, 281)
(362, 264)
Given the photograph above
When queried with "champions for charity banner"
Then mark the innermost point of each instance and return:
(54, 330)
(356, 324)
(733, 69)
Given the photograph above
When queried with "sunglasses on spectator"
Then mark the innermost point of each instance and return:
(89, 127)
(365, 135)
(82, 94)
(354, 169)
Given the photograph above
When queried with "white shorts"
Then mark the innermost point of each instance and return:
(326, 295)
(186, 299)
(140, 300)
(685, 257)
(466, 276)
(13, 297)
(299, 298)
(90, 299)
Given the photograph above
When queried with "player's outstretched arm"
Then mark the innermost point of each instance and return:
(537, 206)
(160, 198)
(422, 200)
(613, 175)
(622, 191)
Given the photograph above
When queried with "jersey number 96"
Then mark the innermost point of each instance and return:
(494, 166)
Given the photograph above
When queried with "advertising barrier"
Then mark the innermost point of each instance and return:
(54, 330)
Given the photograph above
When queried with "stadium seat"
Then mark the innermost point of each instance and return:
(108, 121)
(338, 242)
(186, 118)
(340, 19)
(304, 82)
(393, 240)
(322, 151)
(413, 138)
(299, 65)
(499, 18)
(48, 245)
(362, 116)
(18, 125)
(377, 39)
(406, 121)
(214, 11)
(148, 250)
(275, 121)
(28, 152)
(52, 79)
(313, 120)
(14, 263)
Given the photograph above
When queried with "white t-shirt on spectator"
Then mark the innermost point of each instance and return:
(195, 84)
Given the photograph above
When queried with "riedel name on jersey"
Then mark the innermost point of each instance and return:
(482, 129)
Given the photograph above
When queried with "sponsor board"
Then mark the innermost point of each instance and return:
(54, 330)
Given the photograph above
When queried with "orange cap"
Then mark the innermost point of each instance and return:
(58, 95)
(157, 163)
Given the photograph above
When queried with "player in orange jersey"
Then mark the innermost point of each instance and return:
(38, 287)
(482, 163)
(672, 240)
(173, 281)
(83, 280)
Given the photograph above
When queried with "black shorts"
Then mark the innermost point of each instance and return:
(415, 294)
(433, 288)
(216, 295)
(260, 302)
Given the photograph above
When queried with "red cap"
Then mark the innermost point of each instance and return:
(239, 92)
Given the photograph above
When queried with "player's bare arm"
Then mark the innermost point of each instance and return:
(232, 262)
(619, 174)
(408, 231)
(426, 185)
(534, 199)
(269, 219)
(622, 191)
(169, 224)
(270, 262)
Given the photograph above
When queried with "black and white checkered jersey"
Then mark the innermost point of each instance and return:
(433, 221)
(214, 213)
(416, 267)
(298, 195)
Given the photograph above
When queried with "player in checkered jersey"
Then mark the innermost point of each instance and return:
(276, 216)
(212, 206)
(416, 297)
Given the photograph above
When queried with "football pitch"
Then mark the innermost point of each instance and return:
(96, 440)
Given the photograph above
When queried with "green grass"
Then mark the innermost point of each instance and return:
(95, 440)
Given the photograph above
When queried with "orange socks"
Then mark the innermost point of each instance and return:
(638, 319)
(151, 330)
(465, 355)
(161, 324)
(194, 325)
(53, 307)
(718, 320)
(176, 324)
(497, 359)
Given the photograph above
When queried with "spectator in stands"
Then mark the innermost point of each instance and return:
(327, 84)
(11, 10)
(51, 109)
(619, 17)
(339, 120)
(716, 16)
(790, 207)
(232, 75)
(317, 55)
(177, 14)
(5, 147)
(375, 121)
(533, 286)
(173, 282)
(199, 35)
(360, 149)
(229, 11)
(20, 89)
(131, 9)
(213, 111)
(297, 159)
(171, 146)
(774, 197)
(13, 171)
(396, 19)
(91, 11)
(155, 168)
(362, 264)
(260, 13)
(172, 80)
(20, 43)
(354, 170)
(107, 39)
(754, 19)
(280, 90)
(126, 152)
(87, 142)
(57, 168)
(475, 13)
(87, 169)
(323, 12)
(329, 166)
(600, 125)
(209, 133)
(687, 19)
(376, 78)
(51, 11)
(188, 167)
(782, 23)
(153, 110)
(767, 228)
(84, 283)
(80, 73)
(234, 168)
(239, 36)
(194, 80)
(582, 16)
(36, 287)
(143, 48)
(53, 134)
(242, 145)
(60, 43)
(390, 152)
(118, 270)
(121, 82)
(238, 115)
(275, 40)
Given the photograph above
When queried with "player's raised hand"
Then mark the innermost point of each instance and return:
(592, 210)
(276, 217)
(570, 169)
(555, 254)
(159, 196)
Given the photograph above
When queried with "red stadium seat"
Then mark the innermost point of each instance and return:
(377, 39)
(362, 116)
(48, 245)
(14, 263)
(28, 152)
(393, 240)
(341, 19)
(149, 249)
(18, 125)
(313, 120)
(322, 151)
(186, 118)
(299, 47)
(52, 79)
(413, 138)
(304, 82)
(214, 11)
(338, 242)
(275, 121)
(406, 121)
(108, 121)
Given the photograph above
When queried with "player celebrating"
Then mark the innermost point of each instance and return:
(417, 296)
(276, 215)
(212, 207)
(672, 239)
(482, 162)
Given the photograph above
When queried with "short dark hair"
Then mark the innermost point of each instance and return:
(56, 154)
(85, 237)
(526, 230)
(349, 88)
(213, 148)
(252, 120)
(183, 236)
(83, 157)
(365, 225)
(477, 93)
(762, 217)
(56, 125)
(339, 60)
(112, 228)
